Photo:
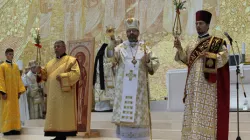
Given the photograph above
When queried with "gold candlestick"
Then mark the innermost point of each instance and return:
(38, 45)
(177, 30)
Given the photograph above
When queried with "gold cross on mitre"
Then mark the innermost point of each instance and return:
(131, 75)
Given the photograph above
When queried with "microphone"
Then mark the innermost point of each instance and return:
(229, 38)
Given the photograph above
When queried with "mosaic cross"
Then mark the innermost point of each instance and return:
(131, 75)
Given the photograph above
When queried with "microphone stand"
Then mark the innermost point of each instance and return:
(240, 56)
(237, 87)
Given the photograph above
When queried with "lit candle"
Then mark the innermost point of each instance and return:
(37, 30)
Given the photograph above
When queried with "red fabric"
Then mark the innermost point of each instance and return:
(178, 11)
(203, 16)
(223, 101)
(38, 79)
(38, 45)
(212, 78)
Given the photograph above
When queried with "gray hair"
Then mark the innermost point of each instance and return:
(60, 42)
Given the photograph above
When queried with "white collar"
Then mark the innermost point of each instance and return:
(201, 36)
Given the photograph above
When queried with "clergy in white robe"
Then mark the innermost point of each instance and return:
(131, 102)
(104, 73)
(35, 94)
(103, 81)
(23, 102)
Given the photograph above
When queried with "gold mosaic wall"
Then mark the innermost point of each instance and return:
(75, 19)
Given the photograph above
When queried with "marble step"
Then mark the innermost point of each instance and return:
(157, 133)
(160, 116)
(178, 116)
(175, 125)
(160, 120)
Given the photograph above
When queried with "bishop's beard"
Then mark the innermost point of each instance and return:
(132, 38)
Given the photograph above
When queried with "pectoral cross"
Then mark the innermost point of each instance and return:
(131, 75)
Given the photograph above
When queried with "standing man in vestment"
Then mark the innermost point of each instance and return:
(35, 93)
(206, 94)
(61, 75)
(104, 74)
(131, 103)
(11, 87)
